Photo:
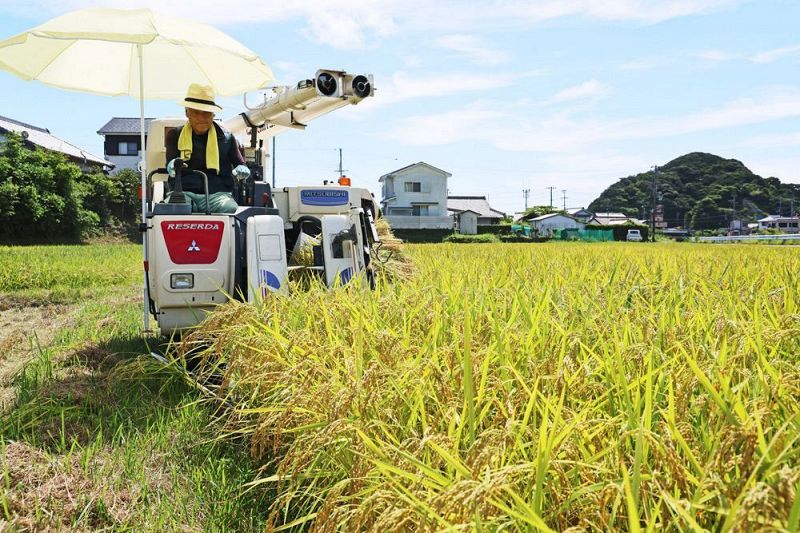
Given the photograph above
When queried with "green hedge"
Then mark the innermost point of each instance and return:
(495, 229)
(621, 230)
(520, 238)
(458, 237)
(422, 235)
(46, 198)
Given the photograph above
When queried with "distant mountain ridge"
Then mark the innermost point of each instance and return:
(701, 190)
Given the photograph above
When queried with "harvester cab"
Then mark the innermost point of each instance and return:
(196, 261)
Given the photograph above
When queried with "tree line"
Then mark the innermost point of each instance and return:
(701, 191)
(46, 198)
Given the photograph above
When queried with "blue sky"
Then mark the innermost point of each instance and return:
(505, 95)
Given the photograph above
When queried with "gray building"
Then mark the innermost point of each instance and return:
(476, 204)
(547, 225)
(122, 141)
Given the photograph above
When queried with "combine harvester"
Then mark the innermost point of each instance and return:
(196, 261)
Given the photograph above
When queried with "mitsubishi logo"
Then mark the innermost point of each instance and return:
(193, 247)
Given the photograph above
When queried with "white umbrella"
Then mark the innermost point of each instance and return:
(139, 53)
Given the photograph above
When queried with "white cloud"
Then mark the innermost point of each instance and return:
(404, 86)
(472, 48)
(591, 89)
(558, 133)
(770, 105)
(773, 141)
(716, 56)
(290, 71)
(345, 24)
(646, 63)
(357, 23)
(647, 11)
(773, 55)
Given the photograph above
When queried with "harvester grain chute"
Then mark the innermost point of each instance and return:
(200, 260)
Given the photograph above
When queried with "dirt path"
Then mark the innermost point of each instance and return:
(24, 330)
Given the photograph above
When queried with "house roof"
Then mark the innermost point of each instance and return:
(124, 125)
(776, 218)
(42, 137)
(24, 125)
(478, 204)
(459, 213)
(575, 210)
(551, 215)
(614, 221)
(611, 215)
(420, 163)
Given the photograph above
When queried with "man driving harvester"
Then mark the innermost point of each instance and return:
(205, 146)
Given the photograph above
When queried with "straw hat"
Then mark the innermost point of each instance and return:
(200, 97)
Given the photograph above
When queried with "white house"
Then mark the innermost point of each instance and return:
(785, 224)
(415, 197)
(549, 224)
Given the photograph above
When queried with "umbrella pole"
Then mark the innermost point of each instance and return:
(145, 251)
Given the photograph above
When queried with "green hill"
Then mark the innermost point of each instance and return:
(700, 189)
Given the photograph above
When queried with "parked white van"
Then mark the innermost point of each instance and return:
(634, 235)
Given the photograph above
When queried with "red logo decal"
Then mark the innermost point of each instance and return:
(190, 242)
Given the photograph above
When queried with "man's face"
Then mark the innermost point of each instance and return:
(200, 121)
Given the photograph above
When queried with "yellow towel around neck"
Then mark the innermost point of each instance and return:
(212, 150)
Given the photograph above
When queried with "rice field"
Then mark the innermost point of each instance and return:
(95, 435)
(66, 273)
(525, 387)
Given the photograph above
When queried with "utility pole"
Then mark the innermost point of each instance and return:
(653, 211)
(551, 196)
(564, 198)
(525, 194)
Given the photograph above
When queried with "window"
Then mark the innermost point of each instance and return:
(413, 186)
(127, 148)
(419, 210)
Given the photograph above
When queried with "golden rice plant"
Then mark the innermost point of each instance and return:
(390, 259)
(589, 387)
